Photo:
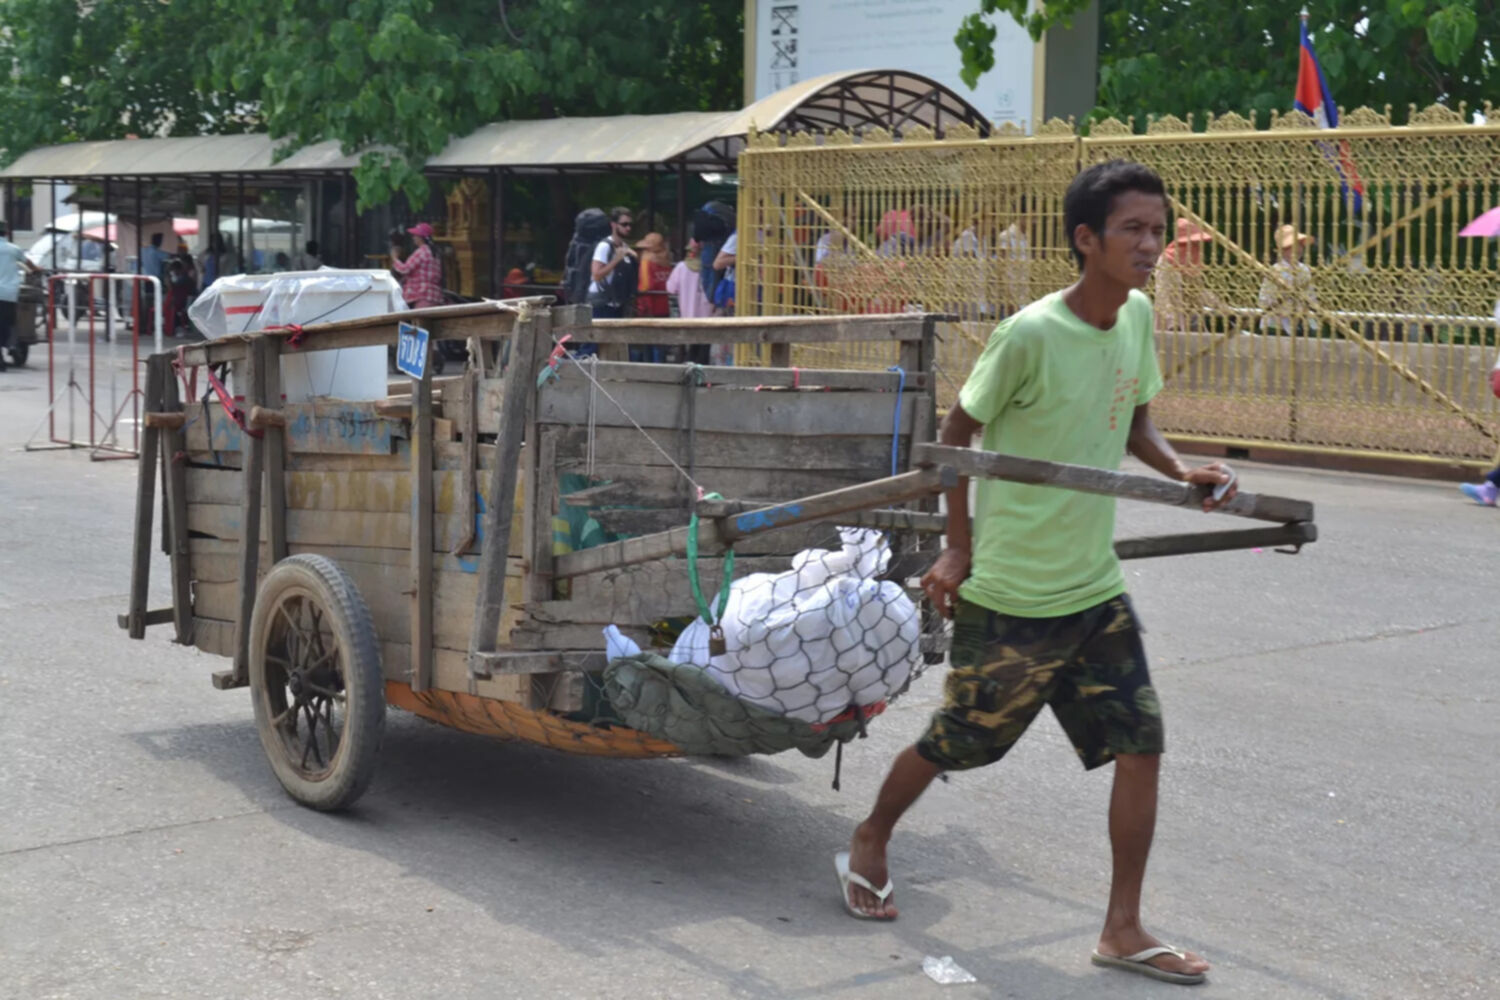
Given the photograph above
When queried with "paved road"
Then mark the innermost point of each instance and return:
(1328, 826)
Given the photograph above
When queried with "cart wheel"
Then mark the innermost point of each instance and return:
(316, 682)
(18, 354)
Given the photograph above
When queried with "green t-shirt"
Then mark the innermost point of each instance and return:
(1050, 386)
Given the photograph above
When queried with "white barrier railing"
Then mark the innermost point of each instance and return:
(103, 417)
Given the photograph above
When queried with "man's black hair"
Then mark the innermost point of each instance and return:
(312, 247)
(619, 212)
(156, 239)
(1091, 196)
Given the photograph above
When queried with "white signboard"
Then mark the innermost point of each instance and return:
(799, 39)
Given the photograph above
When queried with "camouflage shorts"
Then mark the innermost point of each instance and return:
(1090, 667)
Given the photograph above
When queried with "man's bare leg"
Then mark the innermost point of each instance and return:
(910, 775)
(1132, 823)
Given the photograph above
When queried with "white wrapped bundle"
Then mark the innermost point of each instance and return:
(812, 641)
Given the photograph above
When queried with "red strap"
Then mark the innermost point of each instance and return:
(227, 401)
(189, 389)
(295, 340)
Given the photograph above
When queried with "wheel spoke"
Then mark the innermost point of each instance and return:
(276, 722)
(327, 655)
(309, 742)
(337, 696)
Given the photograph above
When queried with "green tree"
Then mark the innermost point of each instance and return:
(105, 70)
(1191, 56)
(398, 78)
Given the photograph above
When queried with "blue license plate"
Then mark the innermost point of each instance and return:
(411, 350)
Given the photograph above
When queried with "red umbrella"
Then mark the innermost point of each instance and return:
(1487, 224)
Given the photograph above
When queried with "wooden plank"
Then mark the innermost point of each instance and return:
(540, 460)
(174, 443)
(335, 527)
(663, 486)
(447, 457)
(628, 446)
(156, 616)
(275, 439)
(468, 480)
(539, 636)
(250, 510)
(324, 426)
(1151, 489)
(715, 535)
(450, 673)
(728, 410)
(1297, 533)
(486, 321)
(213, 559)
(644, 594)
(145, 502)
(760, 329)
(386, 590)
(767, 379)
(528, 346)
(503, 663)
(214, 636)
(421, 534)
(371, 492)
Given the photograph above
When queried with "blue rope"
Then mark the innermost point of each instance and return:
(896, 431)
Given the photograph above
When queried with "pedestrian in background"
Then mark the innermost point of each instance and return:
(651, 286)
(613, 268)
(421, 274)
(308, 259)
(12, 262)
(1287, 296)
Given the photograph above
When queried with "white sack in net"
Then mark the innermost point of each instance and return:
(812, 641)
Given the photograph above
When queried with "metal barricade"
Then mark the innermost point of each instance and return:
(103, 396)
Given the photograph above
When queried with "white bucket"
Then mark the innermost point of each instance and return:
(244, 303)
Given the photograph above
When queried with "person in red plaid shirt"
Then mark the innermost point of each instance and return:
(421, 273)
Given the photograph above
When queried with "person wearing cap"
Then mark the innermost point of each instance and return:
(421, 273)
(1287, 296)
(1180, 293)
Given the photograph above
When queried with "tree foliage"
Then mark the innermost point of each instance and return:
(1191, 56)
(116, 68)
(398, 77)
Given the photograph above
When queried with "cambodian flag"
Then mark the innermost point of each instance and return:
(1314, 100)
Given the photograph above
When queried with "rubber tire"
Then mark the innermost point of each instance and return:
(364, 683)
(18, 353)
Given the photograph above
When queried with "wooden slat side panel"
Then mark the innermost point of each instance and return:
(323, 426)
(735, 411)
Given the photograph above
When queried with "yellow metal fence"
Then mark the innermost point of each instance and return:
(1371, 328)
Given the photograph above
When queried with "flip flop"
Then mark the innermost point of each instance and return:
(1141, 962)
(841, 866)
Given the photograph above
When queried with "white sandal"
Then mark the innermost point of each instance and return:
(1141, 962)
(841, 865)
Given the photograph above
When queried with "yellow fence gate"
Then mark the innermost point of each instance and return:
(1314, 294)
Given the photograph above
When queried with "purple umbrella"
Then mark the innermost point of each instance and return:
(1487, 224)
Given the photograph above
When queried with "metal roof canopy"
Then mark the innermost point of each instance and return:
(700, 141)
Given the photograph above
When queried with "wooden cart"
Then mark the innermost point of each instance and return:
(456, 551)
(414, 551)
